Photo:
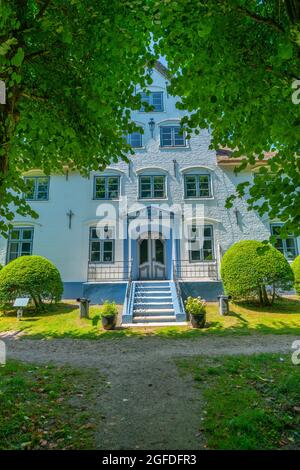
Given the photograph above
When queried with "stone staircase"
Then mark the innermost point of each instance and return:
(154, 302)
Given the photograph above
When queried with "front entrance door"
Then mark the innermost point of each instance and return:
(152, 259)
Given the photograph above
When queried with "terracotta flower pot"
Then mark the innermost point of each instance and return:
(109, 322)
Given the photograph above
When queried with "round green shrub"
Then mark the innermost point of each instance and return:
(32, 276)
(296, 269)
(251, 270)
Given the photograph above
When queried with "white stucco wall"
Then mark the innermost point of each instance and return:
(69, 248)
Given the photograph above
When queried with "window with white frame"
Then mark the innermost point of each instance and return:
(135, 139)
(102, 245)
(37, 188)
(155, 99)
(197, 186)
(287, 246)
(106, 187)
(152, 187)
(201, 243)
(172, 136)
(19, 242)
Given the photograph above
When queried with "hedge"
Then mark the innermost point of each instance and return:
(296, 269)
(251, 270)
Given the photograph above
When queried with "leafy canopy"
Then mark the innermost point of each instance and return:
(234, 65)
(70, 67)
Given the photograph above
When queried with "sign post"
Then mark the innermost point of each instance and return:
(21, 303)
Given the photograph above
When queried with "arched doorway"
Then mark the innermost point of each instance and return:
(152, 256)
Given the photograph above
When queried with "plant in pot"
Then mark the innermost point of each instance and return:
(196, 309)
(109, 314)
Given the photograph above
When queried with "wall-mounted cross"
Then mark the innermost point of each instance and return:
(70, 214)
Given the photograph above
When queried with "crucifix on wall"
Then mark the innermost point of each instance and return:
(70, 214)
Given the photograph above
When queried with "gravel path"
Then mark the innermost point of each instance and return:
(146, 404)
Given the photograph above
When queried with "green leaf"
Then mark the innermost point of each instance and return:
(285, 50)
(18, 57)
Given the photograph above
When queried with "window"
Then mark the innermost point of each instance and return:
(106, 187)
(102, 245)
(201, 243)
(197, 186)
(171, 136)
(135, 140)
(152, 187)
(288, 246)
(19, 242)
(154, 99)
(38, 188)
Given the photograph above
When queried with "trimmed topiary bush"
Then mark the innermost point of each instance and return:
(296, 269)
(34, 276)
(250, 270)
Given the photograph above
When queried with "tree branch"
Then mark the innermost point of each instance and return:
(43, 9)
(33, 55)
(33, 97)
(293, 10)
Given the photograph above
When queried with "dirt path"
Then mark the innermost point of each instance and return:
(146, 404)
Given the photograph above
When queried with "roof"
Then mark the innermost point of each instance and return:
(162, 69)
(224, 157)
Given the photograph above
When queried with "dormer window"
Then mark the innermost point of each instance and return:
(135, 140)
(171, 136)
(153, 99)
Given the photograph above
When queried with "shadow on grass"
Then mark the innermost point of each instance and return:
(243, 319)
(48, 311)
(281, 306)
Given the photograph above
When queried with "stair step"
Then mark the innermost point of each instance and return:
(151, 291)
(152, 283)
(165, 318)
(163, 304)
(152, 286)
(153, 310)
(149, 300)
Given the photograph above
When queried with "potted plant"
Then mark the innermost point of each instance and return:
(196, 309)
(109, 313)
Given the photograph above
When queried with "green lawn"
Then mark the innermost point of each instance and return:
(46, 407)
(249, 402)
(63, 320)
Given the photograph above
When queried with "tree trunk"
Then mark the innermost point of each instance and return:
(265, 295)
(273, 294)
(260, 296)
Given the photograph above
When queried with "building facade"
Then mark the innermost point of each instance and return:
(161, 217)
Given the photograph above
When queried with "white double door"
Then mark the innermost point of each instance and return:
(152, 263)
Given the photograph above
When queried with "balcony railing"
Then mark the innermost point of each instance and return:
(117, 271)
(121, 270)
(184, 269)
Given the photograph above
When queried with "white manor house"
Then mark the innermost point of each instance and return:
(149, 233)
